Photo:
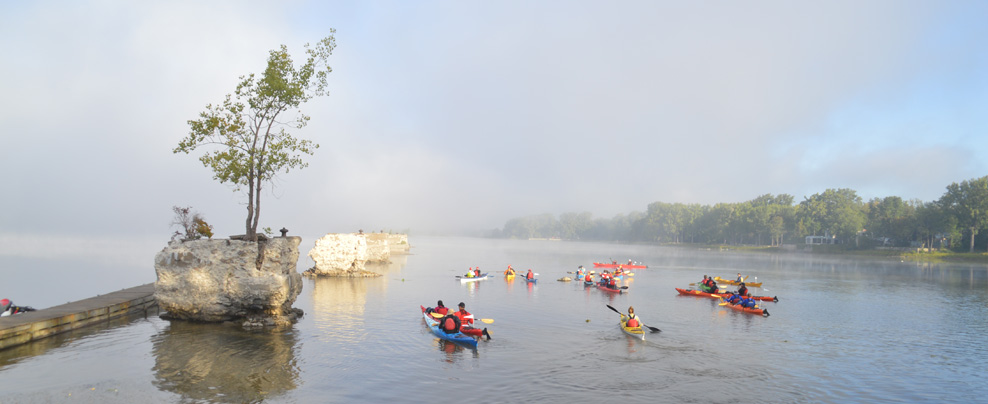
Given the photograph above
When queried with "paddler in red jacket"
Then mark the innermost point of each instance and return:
(440, 308)
(465, 317)
(530, 275)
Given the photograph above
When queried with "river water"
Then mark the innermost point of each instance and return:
(844, 330)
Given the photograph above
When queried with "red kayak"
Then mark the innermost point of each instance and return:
(694, 292)
(607, 289)
(615, 265)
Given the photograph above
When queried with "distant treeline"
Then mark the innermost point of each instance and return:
(835, 216)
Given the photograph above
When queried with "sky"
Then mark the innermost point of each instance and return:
(449, 117)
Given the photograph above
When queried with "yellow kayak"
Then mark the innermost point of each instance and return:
(734, 282)
(636, 332)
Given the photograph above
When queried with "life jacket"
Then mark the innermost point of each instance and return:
(530, 275)
(632, 321)
(589, 278)
(476, 273)
(450, 324)
(441, 310)
(462, 315)
(743, 291)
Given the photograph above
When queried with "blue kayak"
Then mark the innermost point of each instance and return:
(533, 280)
(458, 337)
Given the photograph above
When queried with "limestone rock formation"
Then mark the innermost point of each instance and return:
(398, 243)
(218, 280)
(378, 248)
(341, 255)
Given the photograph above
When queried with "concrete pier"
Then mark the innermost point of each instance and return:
(35, 325)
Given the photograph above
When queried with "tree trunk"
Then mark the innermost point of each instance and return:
(973, 232)
(251, 232)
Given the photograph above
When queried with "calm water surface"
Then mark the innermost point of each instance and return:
(844, 330)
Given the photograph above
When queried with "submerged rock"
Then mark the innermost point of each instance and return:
(220, 280)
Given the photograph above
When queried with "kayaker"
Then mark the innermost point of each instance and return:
(733, 299)
(450, 324)
(470, 273)
(632, 318)
(476, 272)
(510, 271)
(740, 279)
(465, 317)
(579, 272)
(748, 302)
(612, 283)
(7, 308)
(588, 278)
(530, 275)
(441, 309)
(742, 290)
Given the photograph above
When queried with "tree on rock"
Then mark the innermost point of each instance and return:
(249, 130)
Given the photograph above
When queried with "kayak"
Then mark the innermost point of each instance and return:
(636, 332)
(509, 277)
(735, 283)
(694, 292)
(760, 312)
(588, 283)
(459, 337)
(603, 265)
(472, 279)
(607, 289)
(533, 280)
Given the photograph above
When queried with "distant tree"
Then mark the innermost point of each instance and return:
(933, 220)
(838, 212)
(891, 217)
(968, 202)
(250, 129)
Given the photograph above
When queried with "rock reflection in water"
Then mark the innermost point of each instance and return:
(224, 363)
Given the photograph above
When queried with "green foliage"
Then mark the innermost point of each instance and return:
(249, 132)
(968, 202)
(772, 220)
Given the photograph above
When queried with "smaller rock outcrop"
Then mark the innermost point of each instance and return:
(220, 280)
(342, 255)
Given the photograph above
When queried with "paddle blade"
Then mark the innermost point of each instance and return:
(615, 310)
(722, 304)
(436, 315)
(487, 320)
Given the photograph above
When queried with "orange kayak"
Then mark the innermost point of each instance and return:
(760, 312)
